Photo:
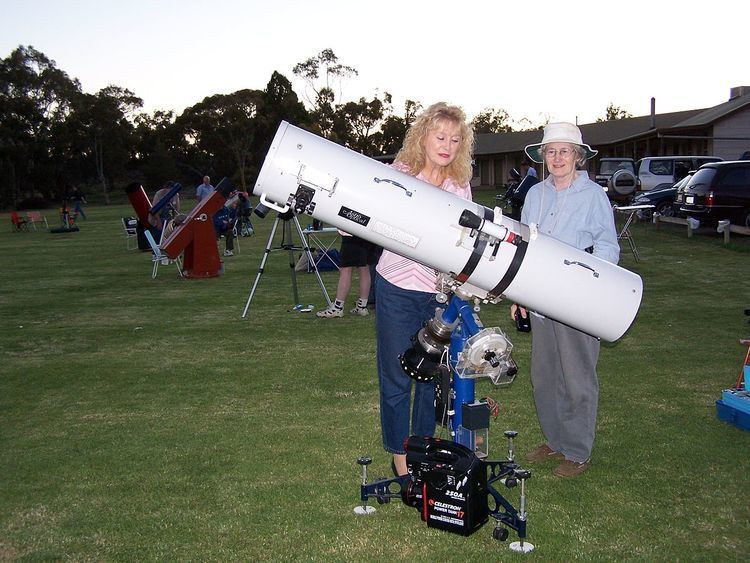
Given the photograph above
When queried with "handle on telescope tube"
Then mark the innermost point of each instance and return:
(272, 205)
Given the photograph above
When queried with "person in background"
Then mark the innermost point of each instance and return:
(168, 211)
(438, 150)
(527, 169)
(244, 211)
(573, 209)
(78, 200)
(205, 189)
(355, 253)
(224, 220)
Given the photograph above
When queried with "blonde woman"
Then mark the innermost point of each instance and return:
(437, 149)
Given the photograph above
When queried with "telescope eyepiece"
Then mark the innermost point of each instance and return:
(470, 220)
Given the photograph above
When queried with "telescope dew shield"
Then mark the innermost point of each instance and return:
(416, 220)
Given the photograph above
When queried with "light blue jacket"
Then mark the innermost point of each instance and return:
(580, 215)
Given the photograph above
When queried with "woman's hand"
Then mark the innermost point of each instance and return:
(515, 307)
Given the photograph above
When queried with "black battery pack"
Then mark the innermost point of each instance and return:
(448, 486)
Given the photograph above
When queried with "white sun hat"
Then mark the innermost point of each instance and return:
(559, 133)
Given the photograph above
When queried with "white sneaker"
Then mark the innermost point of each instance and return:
(228, 253)
(330, 313)
(361, 311)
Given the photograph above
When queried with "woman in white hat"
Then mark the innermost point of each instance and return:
(568, 206)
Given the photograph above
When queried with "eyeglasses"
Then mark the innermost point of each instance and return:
(564, 152)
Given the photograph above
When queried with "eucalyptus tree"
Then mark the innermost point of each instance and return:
(223, 129)
(492, 120)
(323, 75)
(106, 121)
(394, 128)
(35, 98)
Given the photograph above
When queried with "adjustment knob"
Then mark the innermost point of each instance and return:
(523, 473)
(364, 460)
(510, 434)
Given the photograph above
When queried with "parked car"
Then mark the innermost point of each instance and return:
(626, 182)
(609, 165)
(664, 171)
(719, 190)
(661, 198)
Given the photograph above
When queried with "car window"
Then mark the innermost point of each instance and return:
(611, 166)
(607, 167)
(661, 167)
(736, 177)
(702, 177)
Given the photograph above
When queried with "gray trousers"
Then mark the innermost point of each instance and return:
(566, 388)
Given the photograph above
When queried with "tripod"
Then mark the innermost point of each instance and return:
(286, 244)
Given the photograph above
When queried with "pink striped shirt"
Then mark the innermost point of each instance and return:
(408, 274)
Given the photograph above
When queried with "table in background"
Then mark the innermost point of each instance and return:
(313, 236)
(625, 233)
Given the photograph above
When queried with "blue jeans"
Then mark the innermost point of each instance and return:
(399, 314)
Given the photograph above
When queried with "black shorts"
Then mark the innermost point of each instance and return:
(357, 252)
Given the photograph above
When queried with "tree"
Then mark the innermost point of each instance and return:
(394, 128)
(107, 119)
(357, 124)
(35, 98)
(224, 128)
(491, 120)
(280, 102)
(159, 147)
(614, 112)
(320, 74)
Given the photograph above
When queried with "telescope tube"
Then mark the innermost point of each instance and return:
(412, 218)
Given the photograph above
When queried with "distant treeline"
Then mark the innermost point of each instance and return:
(53, 136)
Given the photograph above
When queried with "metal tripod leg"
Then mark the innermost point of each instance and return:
(287, 244)
(287, 237)
(262, 265)
(306, 249)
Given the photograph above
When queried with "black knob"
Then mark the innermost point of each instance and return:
(523, 473)
(510, 433)
(364, 460)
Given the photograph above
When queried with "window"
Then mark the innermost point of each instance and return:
(701, 179)
(737, 177)
(661, 167)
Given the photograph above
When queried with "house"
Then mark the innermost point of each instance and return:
(722, 130)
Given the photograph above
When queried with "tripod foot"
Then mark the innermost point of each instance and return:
(364, 510)
(521, 547)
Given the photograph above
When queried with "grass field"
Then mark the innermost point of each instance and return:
(144, 419)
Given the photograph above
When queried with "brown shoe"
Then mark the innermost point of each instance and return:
(571, 468)
(543, 453)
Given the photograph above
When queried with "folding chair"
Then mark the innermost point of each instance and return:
(18, 224)
(159, 257)
(34, 217)
(129, 225)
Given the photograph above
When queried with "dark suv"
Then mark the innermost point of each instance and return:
(719, 190)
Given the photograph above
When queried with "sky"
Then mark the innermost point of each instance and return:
(538, 60)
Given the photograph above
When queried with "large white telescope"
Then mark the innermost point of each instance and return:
(486, 254)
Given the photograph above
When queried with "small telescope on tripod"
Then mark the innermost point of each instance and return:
(287, 219)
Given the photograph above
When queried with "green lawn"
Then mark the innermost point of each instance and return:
(144, 419)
